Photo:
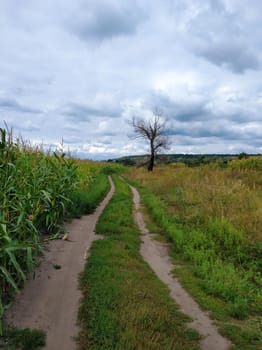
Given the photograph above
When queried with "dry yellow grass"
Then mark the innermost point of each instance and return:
(201, 193)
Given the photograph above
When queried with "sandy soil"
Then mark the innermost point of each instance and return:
(156, 255)
(50, 301)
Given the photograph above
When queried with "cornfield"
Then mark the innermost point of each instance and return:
(34, 188)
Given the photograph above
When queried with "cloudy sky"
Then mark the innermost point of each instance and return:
(79, 70)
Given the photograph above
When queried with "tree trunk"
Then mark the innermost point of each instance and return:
(151, 161)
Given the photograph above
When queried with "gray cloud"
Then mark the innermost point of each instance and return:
(187, 112)
(106, 140)
(218, 131)
(234, 56)
(77, 112)
(27, 126)
(106, 19)
(173, 108)
(199, 129)
(84, 112)
(220, 37)
(8, 104)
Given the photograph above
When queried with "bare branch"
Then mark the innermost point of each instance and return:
(154, 131)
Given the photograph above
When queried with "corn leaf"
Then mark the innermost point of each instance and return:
(8, 277)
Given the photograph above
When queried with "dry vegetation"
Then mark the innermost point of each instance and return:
(209, 192)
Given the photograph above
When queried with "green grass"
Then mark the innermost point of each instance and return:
(246, 334)
(92, 187)
(86, 199)
(22, 339)
(125, 306)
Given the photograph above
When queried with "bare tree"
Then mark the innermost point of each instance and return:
(154, 131)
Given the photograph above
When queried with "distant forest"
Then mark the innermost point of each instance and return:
(188, 159)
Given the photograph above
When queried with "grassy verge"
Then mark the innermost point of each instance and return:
(86, 199)
(125, 306)
(217, 283)
(22, 339)
(92, 187)
(244, 334)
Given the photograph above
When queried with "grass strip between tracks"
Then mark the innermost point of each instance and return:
(125, 306)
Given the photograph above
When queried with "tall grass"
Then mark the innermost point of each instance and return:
(35, 190)
(212, 214)
(92, 186)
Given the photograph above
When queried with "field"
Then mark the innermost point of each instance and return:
(212, 216)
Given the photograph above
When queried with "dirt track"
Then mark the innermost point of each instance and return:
(51, 300)
(156, 255)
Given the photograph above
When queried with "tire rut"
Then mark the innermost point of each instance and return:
(156, 255)
(50, 301)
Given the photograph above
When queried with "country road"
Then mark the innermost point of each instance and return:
(156, 255)
(50, 301)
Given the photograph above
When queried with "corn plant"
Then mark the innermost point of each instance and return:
(35, 189)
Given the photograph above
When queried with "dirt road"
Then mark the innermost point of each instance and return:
(50, 301)
(156, 255)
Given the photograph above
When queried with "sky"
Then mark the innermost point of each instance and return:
(76, 72)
